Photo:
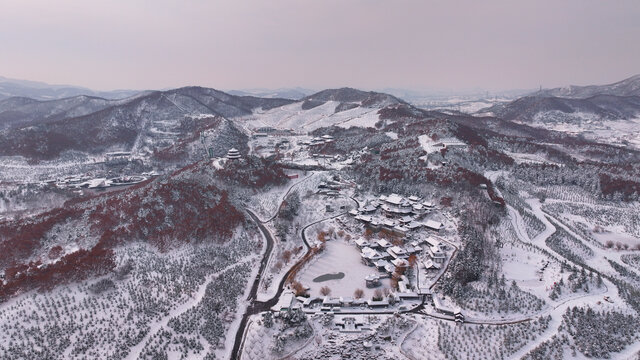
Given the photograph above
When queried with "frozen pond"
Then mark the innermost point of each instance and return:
(339, 257)
(327, 277)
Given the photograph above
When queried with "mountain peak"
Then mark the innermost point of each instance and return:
(347, 94)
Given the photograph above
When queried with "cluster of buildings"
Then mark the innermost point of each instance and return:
(386, 257)
(117, 158)
(397, 214)
(400, 216)
(288, 302)
(89, 182)
(270, 131)
(330, 187)
(318, 140)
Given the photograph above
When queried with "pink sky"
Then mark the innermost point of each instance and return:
(143, 44)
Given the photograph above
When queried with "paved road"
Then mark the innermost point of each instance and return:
(256, 306)
(285, 196)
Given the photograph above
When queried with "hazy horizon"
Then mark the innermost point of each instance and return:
(406, 44)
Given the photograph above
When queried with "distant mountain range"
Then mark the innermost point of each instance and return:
(152, 121)
(618, 101)
(626, 87)
(43, 91)
(599, 106)
(44, 129)
(296, 93)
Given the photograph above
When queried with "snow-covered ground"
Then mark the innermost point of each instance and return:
(614, 132)
(135, 312)
(339, 256)
(529, 158)
(294, 117)
(463, 104)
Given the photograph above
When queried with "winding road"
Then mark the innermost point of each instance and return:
(256, 306)
(555, 309)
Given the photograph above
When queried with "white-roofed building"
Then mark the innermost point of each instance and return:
(388, 223)
(433, 225)
(428, 204)
(372, 280)
(381, 264)
(437, 255)
(397, 252)
(370, 256)
(400, 229)
(430, 265)
(406, 219)
(368, 209)
(394, 199)
(285, 302)
(400, 263)
(414, 225)
(378, 303)
(383, 243)
(362, 242)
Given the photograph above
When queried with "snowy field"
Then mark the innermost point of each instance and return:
(614, 132)
(461, 104)
(339, 256)
(146, 309)
(294, 117)
(525, 266)
(17, 169)
(529, 158)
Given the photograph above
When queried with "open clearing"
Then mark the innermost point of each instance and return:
(339, 256)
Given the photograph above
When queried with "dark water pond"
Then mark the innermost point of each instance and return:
(327, 277)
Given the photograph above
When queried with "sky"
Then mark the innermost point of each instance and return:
(368, 44)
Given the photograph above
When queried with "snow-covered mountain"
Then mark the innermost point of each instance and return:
(607, 113)
(344, 107)
(608, 107)
(155, 121)
(525, 238)
(626, 87)
(145, 122)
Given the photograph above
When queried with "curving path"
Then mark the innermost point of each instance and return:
(256, 306)
(134, 352)
(556, 310)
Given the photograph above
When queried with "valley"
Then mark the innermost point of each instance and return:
(193, 223)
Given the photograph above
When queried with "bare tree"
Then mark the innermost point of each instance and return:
(377, 295)
(358, 294)
(298, 288)
(325, 291)
(286, 256)
(278, 266)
